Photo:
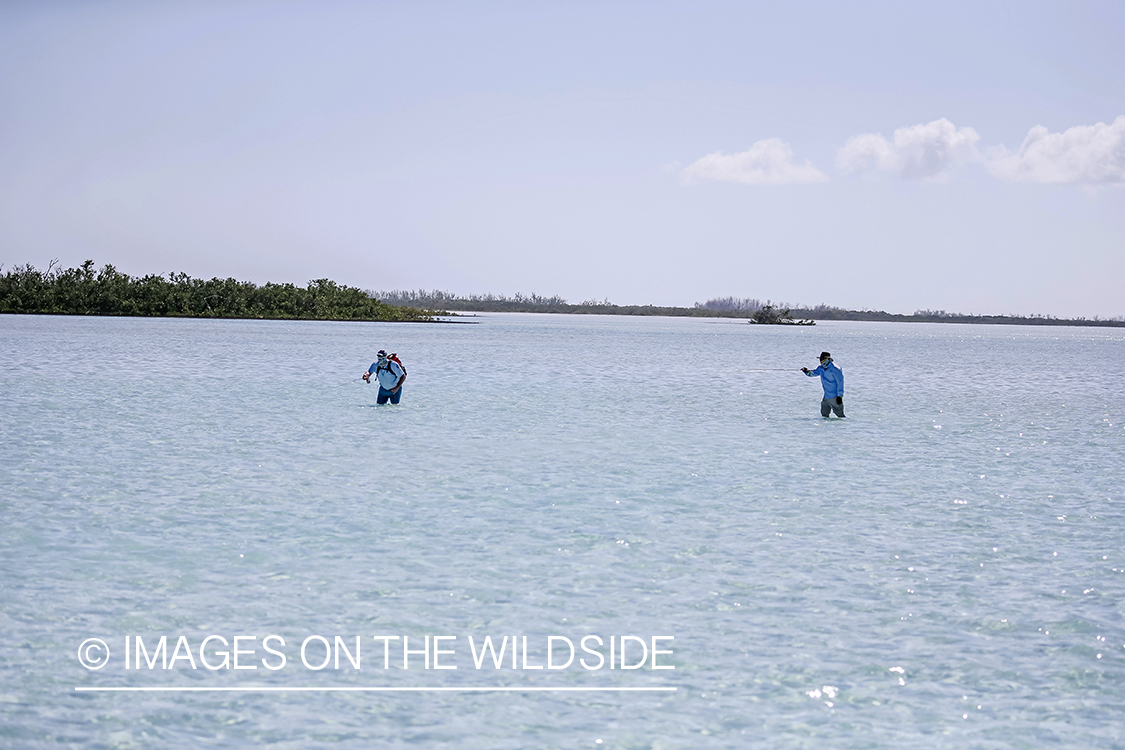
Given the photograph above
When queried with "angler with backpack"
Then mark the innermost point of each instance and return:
(390, 374)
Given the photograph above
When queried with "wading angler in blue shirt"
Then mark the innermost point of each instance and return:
(390, 374)
(832, 378)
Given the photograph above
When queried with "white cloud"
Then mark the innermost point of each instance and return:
(767, 162)
(1089, 154)
(917, 151)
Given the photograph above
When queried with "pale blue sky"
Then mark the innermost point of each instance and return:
(643, 152)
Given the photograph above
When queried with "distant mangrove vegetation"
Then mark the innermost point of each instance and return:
(106, 291)
(86, 291)
(753, 310)
(438, 300)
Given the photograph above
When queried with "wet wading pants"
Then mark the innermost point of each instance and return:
(829, 404)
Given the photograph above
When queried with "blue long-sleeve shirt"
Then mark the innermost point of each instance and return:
(388, 376)
(831, 378)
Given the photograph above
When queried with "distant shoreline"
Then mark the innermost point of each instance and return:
(643, 311)
(108, 292)
(534, 305)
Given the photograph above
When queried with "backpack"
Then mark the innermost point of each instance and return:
(394, 358)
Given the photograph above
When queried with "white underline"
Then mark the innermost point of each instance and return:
(265, 689)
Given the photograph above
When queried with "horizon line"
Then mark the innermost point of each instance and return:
(384, 689)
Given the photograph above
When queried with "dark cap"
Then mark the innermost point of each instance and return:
(825, 355)
(382, 352)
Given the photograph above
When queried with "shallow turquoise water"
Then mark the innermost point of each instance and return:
(943, 569)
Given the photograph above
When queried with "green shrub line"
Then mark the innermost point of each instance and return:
(86, 291)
